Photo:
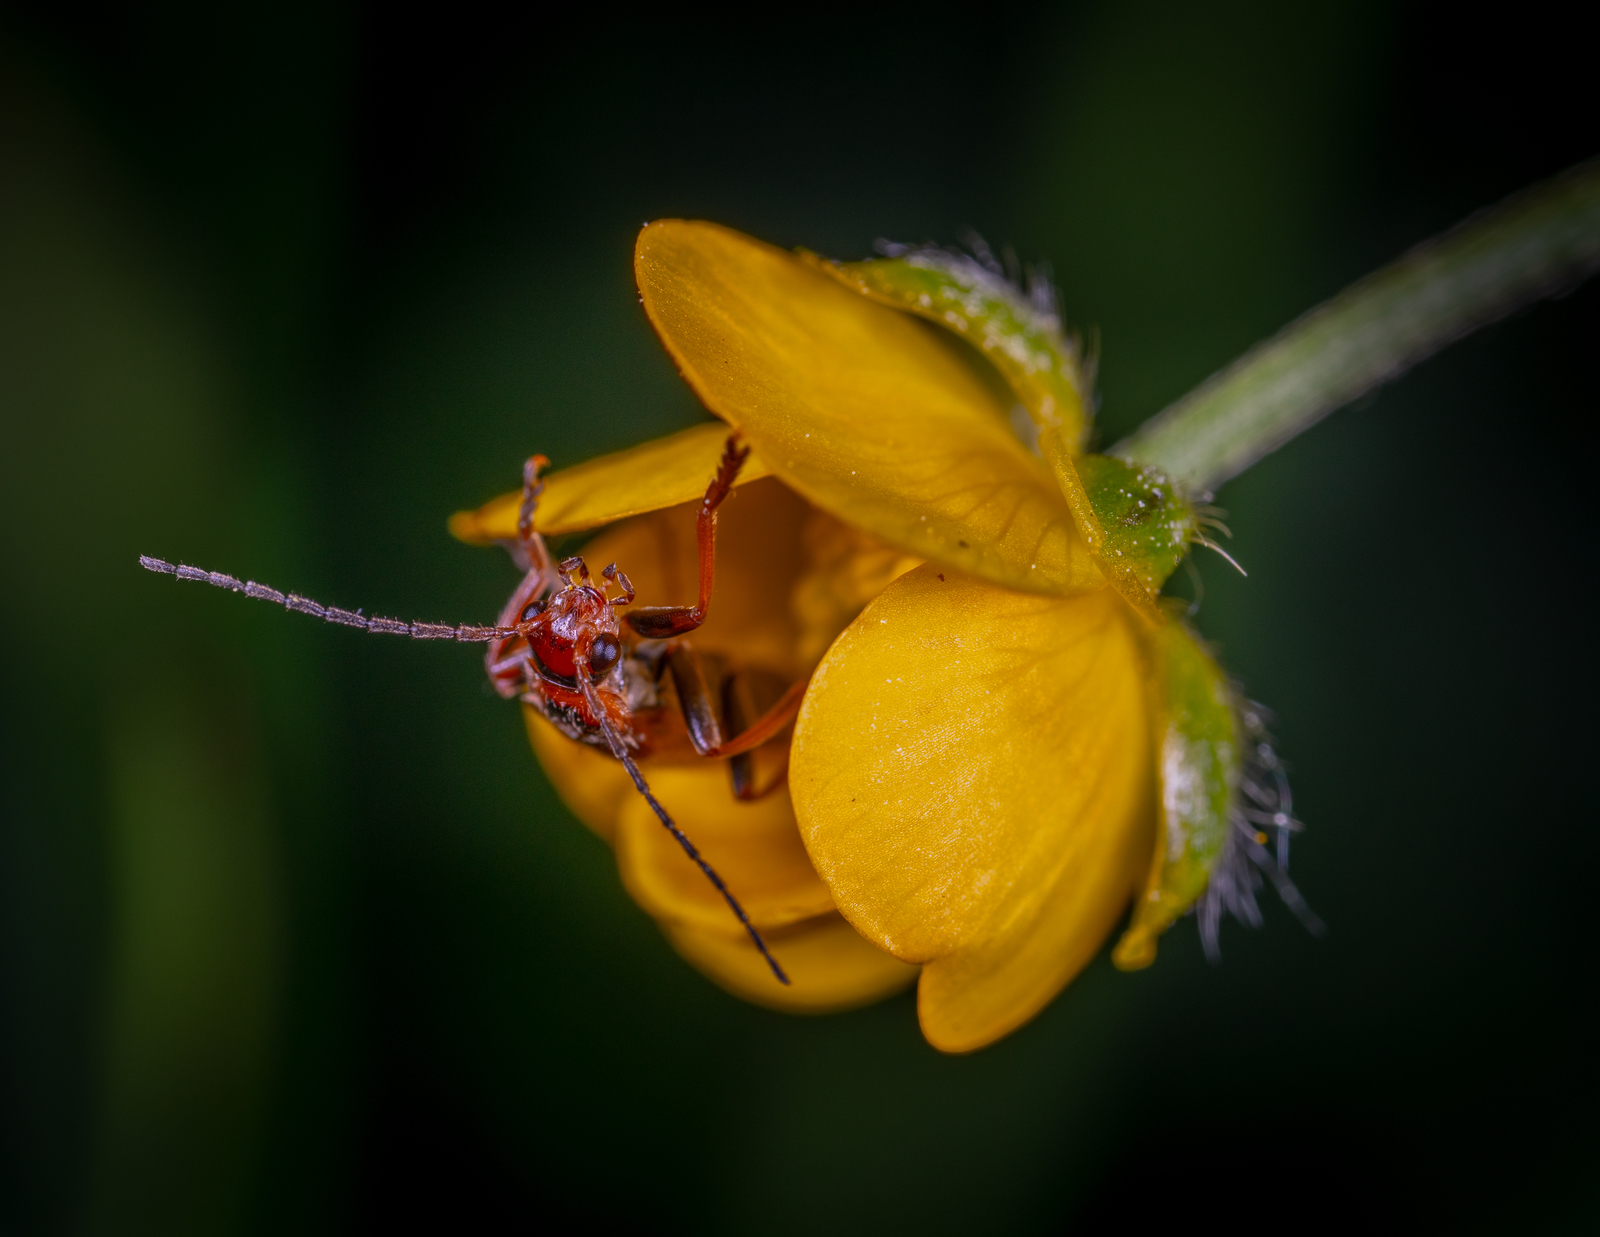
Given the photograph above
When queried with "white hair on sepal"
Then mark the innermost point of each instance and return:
(1262, 812)
(1208, 517)
(1199, 586)
(1030, 290)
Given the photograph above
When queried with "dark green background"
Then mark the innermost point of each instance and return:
(293, 933)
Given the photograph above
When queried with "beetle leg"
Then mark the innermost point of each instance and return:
(742, 776)
(508, 668)
(662, 622)
(528, 550)
(766, 727)
(700, 716)
(504, 657)
(739, 705)
(694, 698)
(620, 579)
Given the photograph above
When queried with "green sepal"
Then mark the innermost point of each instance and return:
(1022, 339)
(1147, 526)
(1198, 758)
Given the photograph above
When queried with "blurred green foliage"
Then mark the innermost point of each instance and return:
(294, 933)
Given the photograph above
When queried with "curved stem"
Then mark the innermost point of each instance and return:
(1541, 242)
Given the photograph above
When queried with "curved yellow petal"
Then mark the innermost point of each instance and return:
(1133, 518)
(972, 776)
(661, 473)
(830, 967)
(592, 785)
(872, 415)
(845, 569)
(1023, 341)
(755, 848)
(975, 996)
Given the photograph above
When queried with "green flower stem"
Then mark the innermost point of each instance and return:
(1541, 242)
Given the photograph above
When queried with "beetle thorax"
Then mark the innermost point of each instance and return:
(569, 622)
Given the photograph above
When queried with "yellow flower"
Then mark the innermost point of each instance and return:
(1001, 717)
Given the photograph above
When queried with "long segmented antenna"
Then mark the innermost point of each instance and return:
(469, 634)
(464, 632)
(620, 751)
(1211, 517)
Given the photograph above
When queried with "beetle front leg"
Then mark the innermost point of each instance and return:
(504, 657)
(664, 622)
(531, 544)
(527, 548)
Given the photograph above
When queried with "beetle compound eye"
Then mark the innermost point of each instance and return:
(533, 610)
(603, 654)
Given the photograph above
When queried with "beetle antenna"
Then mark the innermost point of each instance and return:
(464, 632)
(620, 751)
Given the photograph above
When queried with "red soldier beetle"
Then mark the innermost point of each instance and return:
(559, 647)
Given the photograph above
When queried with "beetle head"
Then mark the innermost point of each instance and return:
(576, 622)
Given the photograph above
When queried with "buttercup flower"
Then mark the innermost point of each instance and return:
(1000, 733)
(1007, 737)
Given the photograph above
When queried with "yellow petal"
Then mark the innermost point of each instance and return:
(592, 784)
(755, 848)
(845, 569)
(875, 417)
(830, 967)
(1041, 365)
(656, 474)
(971, 772)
